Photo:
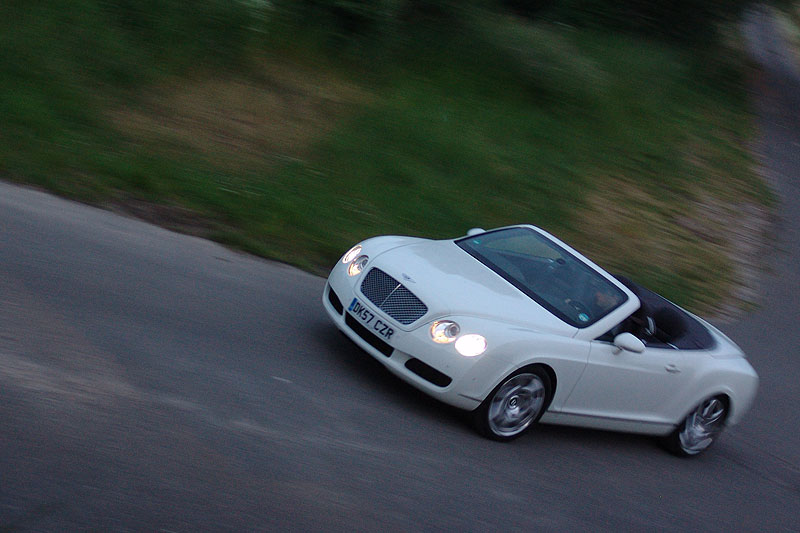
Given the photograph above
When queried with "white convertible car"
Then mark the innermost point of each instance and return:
(517, 327)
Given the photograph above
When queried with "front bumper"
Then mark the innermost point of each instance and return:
(436, 369)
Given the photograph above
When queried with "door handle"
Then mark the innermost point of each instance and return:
(672, 369)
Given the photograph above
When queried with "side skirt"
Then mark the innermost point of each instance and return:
(607, 423)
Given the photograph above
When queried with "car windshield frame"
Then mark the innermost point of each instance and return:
(547, 273)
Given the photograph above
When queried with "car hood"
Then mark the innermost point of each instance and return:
(452, 283)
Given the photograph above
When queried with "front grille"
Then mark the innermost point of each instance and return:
(392, 297)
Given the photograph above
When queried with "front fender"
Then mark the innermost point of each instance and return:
(567, 358)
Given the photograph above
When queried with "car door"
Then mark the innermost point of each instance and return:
(623, 385)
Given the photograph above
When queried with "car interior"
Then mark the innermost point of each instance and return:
(661, 324)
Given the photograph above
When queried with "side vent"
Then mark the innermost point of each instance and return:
(335, 301)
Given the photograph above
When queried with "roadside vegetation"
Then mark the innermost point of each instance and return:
(293, 129)
(789, 20)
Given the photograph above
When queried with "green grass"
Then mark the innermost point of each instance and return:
(513, 123)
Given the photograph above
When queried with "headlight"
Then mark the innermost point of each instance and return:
(444, 331)
(357, 266)
(471, 345)
(351, 254)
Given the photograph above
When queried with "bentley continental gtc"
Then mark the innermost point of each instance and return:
(517, 327)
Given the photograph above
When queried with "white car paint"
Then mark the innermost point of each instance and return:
(597, 383)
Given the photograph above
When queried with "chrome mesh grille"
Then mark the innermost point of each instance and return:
(392, 297)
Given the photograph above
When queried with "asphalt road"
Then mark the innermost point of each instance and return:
(151, 381)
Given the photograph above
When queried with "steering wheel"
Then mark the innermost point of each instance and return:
(584, 315)
(555, 264)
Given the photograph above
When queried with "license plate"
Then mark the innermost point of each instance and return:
(370, 321)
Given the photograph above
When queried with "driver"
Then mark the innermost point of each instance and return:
(639, 323)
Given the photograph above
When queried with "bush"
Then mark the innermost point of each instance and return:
(118, 40)
(182, 32)
(679, 20)
(353, 19)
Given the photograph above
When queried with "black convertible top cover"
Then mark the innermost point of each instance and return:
(674, 326)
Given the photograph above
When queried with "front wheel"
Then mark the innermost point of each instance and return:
(699, 429)
(516, 403)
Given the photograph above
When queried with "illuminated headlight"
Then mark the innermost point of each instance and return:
(357, 266)
(351, 254)
(444, 331)
(471, 345)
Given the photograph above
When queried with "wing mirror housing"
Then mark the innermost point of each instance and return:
(475, 231)
(628, 342)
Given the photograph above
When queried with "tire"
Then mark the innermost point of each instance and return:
(514, 405)
(698, 431)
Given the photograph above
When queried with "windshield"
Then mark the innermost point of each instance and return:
(546, 272)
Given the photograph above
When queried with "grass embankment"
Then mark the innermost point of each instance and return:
(632, 150)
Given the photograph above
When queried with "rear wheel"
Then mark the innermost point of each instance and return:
(700, 428)
(514, 405)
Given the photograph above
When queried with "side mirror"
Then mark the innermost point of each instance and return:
(475, 231)
(628, 342)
